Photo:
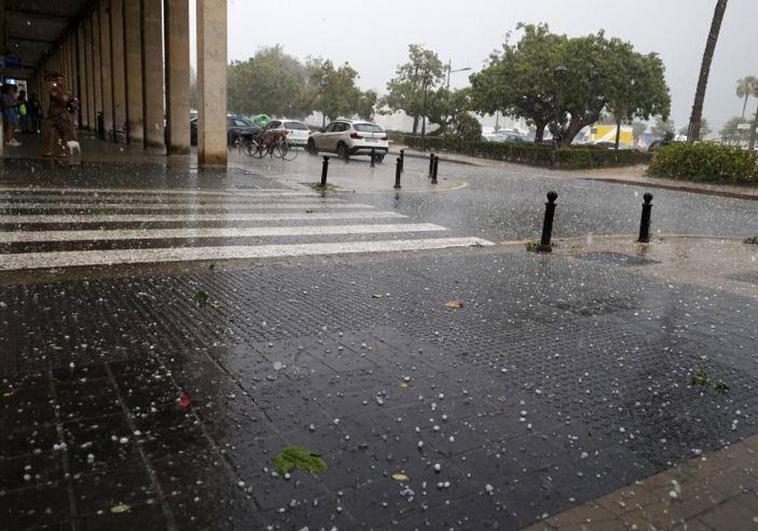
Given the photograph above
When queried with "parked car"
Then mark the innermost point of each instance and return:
(350, 137)
(297, 132)
(505, 137)
(236, 126)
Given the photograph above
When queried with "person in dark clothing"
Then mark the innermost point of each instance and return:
(59, 123)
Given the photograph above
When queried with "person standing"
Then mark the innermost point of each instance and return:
(59, 122)
(22, 105)
(10, 114)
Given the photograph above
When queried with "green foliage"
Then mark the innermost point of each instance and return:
(704, 162)
(533, 247)
(753, 240)
(201, 297)
(662, 127)
(333, 90)
(275, 83)
(550, 79)
(575, 157)
(297, 457)
(732, 134)
(270, 82)
(746, 87)
(410, 90)
(702, 379)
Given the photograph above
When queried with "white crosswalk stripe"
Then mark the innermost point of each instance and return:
(139, 226)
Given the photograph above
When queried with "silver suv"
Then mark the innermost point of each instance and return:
(350, 137)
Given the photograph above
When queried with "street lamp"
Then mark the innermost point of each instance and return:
(451, 71)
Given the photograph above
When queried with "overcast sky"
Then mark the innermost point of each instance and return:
(374, 36)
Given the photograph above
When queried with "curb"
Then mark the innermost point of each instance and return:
(690, 189)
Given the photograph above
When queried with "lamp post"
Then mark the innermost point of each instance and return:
(451, 71)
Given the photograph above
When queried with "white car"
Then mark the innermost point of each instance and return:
(297, 132)
(349, 137)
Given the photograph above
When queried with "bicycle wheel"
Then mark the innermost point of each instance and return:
(259, 150)
(280, 150)
(289, 152)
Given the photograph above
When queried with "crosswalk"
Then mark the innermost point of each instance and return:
(52, 228)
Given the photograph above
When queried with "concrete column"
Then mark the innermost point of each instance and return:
(89, 61)
(119, 64)
(152, 73)
(96, 76)
(106, 70)
(82, 75)
(176, 34)
(133, 68)
(211, 82)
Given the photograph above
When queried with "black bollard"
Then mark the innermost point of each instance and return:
(398, 171)
(402, 160)
(435, 169)
(647, 208)
(431, 165)
(324, 171)
(547, 227)
(373, 157)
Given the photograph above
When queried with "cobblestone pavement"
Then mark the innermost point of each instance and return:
(474, 387)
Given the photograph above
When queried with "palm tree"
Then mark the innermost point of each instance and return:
(746, 87)
(705, 70)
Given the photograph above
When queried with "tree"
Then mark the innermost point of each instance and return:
(662, 127)
(705, 129)
(705, 70)
(409, 90)
(271, 82)
(567, 83)
(746, 87)
(638, 129)
(333, 90)
(731, 132)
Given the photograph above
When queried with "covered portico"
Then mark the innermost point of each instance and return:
(128, 63)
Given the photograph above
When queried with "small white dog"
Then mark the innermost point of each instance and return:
(73, 146)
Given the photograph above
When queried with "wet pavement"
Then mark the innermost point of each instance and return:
(480, 387)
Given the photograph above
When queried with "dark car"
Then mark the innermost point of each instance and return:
(236, 126)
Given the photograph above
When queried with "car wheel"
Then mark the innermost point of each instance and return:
(311, 148)
(342, 151)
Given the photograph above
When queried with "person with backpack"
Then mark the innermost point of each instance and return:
(10, 114)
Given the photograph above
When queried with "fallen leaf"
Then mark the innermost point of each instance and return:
(377, 295)
(120, 508)
(8, 394)
(404, 385)
(185, 400)
(400, 477)
(201, 297)
(455, 305)
(293, 457)
(216, 305)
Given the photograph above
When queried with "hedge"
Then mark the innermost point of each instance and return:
(574, 157)
(703, 162)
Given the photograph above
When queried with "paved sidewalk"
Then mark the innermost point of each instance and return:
(717, 491)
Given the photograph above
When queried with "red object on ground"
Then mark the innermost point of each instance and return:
(185, 401)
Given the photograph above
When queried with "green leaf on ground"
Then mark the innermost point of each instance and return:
(120, 508)
(533, 247)
(297, 457)
(753, 240)
(201, 297)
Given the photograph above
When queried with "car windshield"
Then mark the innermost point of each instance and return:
(299, 126)
(368, 128)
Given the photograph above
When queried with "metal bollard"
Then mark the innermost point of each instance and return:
(431, 165)
(435, 169)
(398, 171)
(402, 160)
(547, 227)
(373, 157)
(324, 171)
(647, 208)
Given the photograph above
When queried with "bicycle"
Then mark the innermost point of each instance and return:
(271, 143)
